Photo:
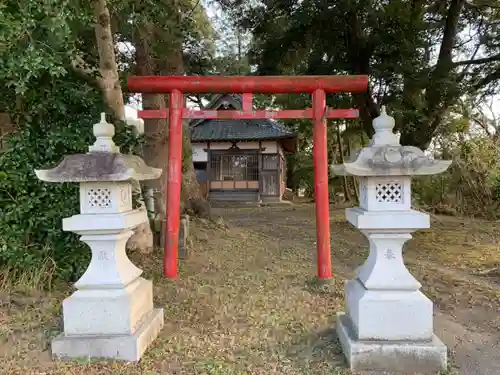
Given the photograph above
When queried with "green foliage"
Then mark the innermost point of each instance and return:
(420, 56)
(38, 38)
(53, 112)
(54, 109)
(57, 120)
(300, 171)
(470, 186)
(165, 27)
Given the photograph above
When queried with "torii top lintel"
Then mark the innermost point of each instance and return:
(248, 84)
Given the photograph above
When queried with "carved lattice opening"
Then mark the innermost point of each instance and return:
(390, 192)
(99, 197)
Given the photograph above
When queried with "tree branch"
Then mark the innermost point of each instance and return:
(79, 65)
(485, 81)
(197, 99)
(450, 32)
(483, 126)
(193, 9)
(89, 72)
(108, 68)
(439, 92)
(483, 60)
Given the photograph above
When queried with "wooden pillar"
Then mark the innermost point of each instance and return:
(259, 157)
(321, 185)
(171, 246)
(209, 166)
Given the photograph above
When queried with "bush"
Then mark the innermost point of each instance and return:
(470, 186)
(56, 120)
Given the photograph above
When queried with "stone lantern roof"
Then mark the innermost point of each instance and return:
(385, 156)
(103, 162)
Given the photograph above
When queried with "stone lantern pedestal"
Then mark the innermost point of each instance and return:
(111, 313)
(388, 325)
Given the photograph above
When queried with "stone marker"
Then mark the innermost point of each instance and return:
(111, 314)
(389, 322)
(183, 251)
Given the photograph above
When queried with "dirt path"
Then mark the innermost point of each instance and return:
(245, 304)
(468, 306)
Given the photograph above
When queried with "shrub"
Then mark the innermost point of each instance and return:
(470, 186)
(56, 119)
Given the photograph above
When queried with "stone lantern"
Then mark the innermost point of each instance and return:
(111, 313)
(388, 325)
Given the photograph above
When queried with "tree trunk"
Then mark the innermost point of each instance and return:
(353, 178)
(110, 80)
(155, 151)
(142, 239)
(191, 196)
(345, 184)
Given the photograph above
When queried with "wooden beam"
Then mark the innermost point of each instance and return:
(247, 115)
(248, 84)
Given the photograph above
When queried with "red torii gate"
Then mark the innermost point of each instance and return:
(318, 86)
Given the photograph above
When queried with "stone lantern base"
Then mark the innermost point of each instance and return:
(121, 347)
(392, 356)
(111, 314)
(116, 324)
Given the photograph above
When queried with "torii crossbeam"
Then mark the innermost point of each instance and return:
(318, 86)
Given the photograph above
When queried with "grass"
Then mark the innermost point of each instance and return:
(465, 244)
(37, 279)
(246, 303)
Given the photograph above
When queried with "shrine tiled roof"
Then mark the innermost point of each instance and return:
(233, 130)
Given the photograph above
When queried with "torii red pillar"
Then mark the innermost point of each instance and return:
(318, 86)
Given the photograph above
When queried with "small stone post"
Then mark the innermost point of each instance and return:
(388, 325)
(111, 314)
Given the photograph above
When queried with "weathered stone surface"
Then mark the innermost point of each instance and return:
(110, 267)
(386, 157)
(183, 236)
(408, 357)
(108, 222)
(111, 314)
(108, 312)
(119, 347)
(99, 166)
(391, 161)
(385, 264)
(389, 220)
(187, 219)
(103, 162)
(388, 314)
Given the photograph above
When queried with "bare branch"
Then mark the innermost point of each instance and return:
(483, 125)
(79, 65)
(196, 98)
(483, 60)
(193, 9)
